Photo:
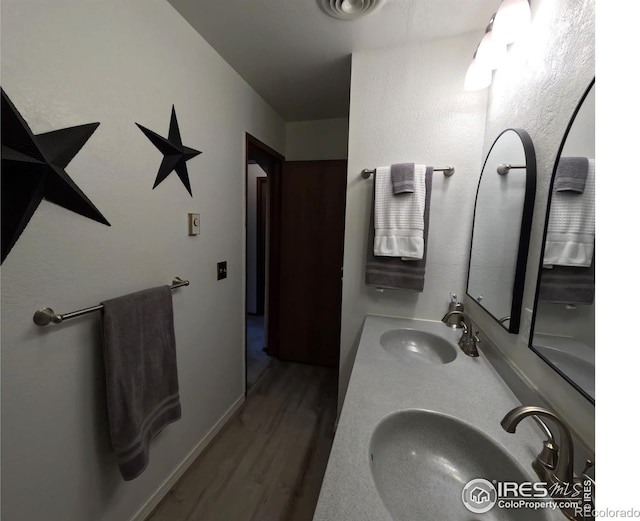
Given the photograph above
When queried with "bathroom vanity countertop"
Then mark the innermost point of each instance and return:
(467, 388)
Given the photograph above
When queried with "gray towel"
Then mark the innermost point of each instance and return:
(568, 284)
(402, 178)
(141, 373)
(393, 272)
(572, 174)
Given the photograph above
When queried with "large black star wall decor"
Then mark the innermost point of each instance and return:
(175, 153)
(33, 168)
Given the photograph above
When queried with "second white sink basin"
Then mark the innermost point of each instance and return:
(422, 460)
(412, 345)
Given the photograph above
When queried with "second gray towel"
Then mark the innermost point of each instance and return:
(402, 178)
(393, 272)
(141, 373)
(572, 174)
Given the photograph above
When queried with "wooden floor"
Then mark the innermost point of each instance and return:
(268, 462)
(257, 359)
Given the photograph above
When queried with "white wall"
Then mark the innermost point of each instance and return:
(317, 139)
(408, 105)
(538, 90)
(253, 172)
(72, 62)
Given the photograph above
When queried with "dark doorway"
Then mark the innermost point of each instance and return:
(263, 169)
(300, 238)
(262, 193)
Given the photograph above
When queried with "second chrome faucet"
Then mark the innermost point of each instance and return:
(554, 464)
(469, 340)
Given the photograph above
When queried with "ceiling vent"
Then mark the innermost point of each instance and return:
(349, 9)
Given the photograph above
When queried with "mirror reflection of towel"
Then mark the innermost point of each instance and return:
(571, 229)
(572, 174)
(568, 284)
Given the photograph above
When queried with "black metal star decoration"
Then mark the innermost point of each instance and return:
(175, 153)
(33, 168)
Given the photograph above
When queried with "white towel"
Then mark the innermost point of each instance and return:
(571, 230)
(399, 220)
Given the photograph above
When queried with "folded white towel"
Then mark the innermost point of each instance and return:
(399, 220)
(571, 230)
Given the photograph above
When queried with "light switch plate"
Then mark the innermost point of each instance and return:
(222, 270)
(194, 224)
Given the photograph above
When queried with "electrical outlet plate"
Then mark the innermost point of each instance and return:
(194, 224)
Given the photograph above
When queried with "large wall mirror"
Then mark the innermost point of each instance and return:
(563, 331)
(501, 227)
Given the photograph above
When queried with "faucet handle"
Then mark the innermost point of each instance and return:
(548, 456)
(587, 465)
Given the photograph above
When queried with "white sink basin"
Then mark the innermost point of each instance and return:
(412, 345)
(422, 460)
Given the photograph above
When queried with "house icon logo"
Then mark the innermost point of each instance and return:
(479, 496)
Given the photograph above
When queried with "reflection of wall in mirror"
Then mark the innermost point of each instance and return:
(556, 319)
(496, 229)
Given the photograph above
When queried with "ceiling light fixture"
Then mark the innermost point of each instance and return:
(512, 20)
(349, 9)
(508, 24)
(478, 75)
(491, 51)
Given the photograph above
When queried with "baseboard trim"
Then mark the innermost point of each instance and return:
(182, 467)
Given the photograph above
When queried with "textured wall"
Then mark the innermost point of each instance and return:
(408, 105)
(118, 62)
(538, 89)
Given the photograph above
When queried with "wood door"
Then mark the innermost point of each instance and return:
(312, 244)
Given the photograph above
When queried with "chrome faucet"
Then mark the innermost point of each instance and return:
(469, 340)
(554, 464)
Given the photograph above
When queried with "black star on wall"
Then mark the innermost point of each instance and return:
(175, 153)
(33, 169)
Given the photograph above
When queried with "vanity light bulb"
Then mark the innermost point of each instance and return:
(491, 52)
(478, 76)
(512, 19)
(352, 6)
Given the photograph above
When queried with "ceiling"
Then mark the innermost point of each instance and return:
(298, 58)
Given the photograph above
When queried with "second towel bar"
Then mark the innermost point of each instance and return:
(447, 170)
(45, 316)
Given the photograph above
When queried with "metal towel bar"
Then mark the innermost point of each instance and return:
(448, 171)
(45, 316)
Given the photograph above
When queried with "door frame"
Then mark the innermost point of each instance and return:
(261, 238)
(274, 161)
